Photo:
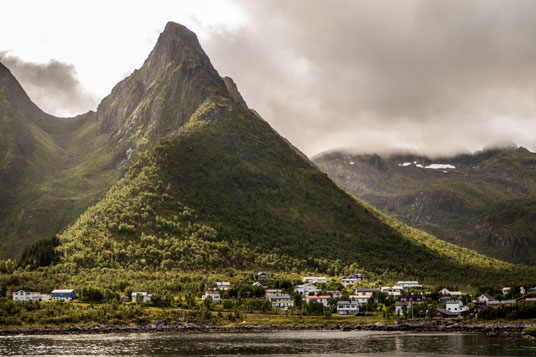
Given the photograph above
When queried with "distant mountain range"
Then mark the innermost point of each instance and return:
(175, 172)
(484, 201)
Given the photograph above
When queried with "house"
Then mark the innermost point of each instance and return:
(497, 303)
(505, 290)
(409, 284)
(349, 281)
(447, 292)
(446, 298)
(336, 294)
(141, 296)
(280, 300)
(27, 294)
(257, 284)
(214, 294)
(223, 285)
(315, 279)
(306, 289)
(347, 308)
(367, 290)
(361, 298)
(527, 297)
(392, 290)
(522, 290)
(443, 313)
(412, 298)
(485, 299)
(352, 279)
(402, 307)
(64, 294)
(274, 291)
(261, 275)
(532, 290)
(323, 299)
(456, 306)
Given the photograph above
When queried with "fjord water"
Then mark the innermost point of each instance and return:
(287, 343)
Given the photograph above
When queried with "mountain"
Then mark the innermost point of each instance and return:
(221, 189)
(484, 201)
(51, 169)
(206, 184)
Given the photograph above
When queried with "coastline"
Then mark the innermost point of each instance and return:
(424, 326)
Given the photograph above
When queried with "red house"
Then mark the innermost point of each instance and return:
(527, 297)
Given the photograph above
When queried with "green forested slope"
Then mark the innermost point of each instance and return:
(227, 191)
(51, 169)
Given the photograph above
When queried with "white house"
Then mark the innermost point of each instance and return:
(280, 300)
(352, 279)
(447, 292)
(315, 279)
(349, 281)
(27, 294)
(347, 308)
(361, 298)
(392, 290)
(223, 285)
(456, 306)
(335, 293)
(257, 284)
(323, 299)
(402, 307)
(505, 290)
(485, 298)
(306, 289)
(214, 294)
(260, 275)
(142, 295)
(409, 284)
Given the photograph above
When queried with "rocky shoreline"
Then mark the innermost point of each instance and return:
(491, 329)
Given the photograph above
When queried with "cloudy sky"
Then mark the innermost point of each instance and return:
(436, 77)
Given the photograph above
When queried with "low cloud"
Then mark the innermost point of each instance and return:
(53, 86)
(435, 77)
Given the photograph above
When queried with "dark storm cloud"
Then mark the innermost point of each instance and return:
(52, 86)
(434, 76)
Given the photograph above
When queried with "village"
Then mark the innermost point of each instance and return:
(404, 299)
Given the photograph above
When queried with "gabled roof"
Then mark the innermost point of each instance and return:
(457, 302)
(446, 312)
(28, 290)
(318, 297)
(59, 291)
(487, 296)
(346, 303)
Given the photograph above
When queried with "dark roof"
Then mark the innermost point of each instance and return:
(446, 312)
(28, 290)
(364, 290)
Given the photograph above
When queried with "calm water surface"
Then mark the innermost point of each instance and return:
(332, 343)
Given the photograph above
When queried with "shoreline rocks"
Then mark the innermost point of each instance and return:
(422, 326)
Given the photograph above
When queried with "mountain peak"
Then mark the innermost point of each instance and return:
(177, 72)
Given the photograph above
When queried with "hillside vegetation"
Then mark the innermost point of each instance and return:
(486, 201)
